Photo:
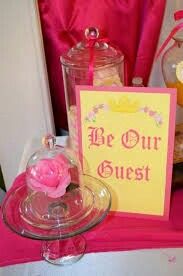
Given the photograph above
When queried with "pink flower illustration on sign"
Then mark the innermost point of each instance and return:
(91, 116)
(154, 114)
(50, 176)
(124, 106)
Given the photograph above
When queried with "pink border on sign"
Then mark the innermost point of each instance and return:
(171, 136)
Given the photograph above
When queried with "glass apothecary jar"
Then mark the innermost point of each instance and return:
(172, 66)
(93, 56)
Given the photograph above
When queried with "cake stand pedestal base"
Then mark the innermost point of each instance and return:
(64, 252)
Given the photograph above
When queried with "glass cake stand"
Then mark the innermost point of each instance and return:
(80, 209)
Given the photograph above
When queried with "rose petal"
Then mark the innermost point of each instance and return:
(61, 189)
(62, 160)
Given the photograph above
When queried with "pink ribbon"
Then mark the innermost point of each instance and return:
(177, 16)
(90, 43)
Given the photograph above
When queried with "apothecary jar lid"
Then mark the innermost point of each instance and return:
(103, 53)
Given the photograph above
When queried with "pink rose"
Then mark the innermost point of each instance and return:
(95, 110)
(91, 116)
(151, 113)
(146, 109)
(105, 107)
(101, 106)
(158, 119)
(50, 176)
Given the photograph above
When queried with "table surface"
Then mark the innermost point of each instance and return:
(161, 262)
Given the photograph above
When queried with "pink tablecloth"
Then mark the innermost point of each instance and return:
(114, 234)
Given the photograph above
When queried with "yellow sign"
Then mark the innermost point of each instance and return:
(127, 138)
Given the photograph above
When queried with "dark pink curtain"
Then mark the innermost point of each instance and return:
(133, 25)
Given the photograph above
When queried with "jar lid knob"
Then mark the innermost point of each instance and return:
(91, 33)
(49, 141)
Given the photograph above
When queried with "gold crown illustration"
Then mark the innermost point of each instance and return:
(124, 105)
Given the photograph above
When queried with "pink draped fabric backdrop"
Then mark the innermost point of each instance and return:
(133, 25)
